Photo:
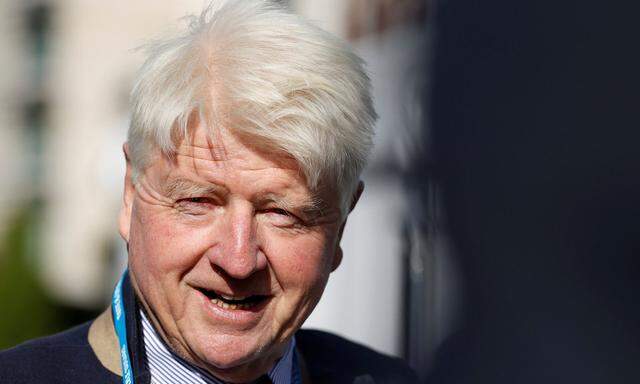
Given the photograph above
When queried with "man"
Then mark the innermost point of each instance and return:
(248, 136)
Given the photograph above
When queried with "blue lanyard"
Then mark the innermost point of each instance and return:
(117, 310)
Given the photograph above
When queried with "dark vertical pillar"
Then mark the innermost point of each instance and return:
(536, 116)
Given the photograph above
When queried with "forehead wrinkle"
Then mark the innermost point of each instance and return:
(222, 145)
(199, 165)
(217, 150)
(210, 155)
(207, 142)
(200, 153)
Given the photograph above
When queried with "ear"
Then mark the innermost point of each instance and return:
(356, 195)
(337, 258)
(124, 219)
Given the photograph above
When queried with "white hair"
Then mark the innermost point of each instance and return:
(282, 81)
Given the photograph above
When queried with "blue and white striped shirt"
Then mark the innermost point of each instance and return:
(167, 368)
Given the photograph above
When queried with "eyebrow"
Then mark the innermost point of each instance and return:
(183, 187)
(313, 207)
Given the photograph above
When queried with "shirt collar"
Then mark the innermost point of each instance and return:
(166, 367)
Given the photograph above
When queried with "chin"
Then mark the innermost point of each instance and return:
(229, 355)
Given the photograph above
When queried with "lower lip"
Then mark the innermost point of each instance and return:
(246, 316)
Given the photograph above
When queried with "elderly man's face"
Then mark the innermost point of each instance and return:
(228, 251)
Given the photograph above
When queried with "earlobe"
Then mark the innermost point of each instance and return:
(124, 218)
(337, 259)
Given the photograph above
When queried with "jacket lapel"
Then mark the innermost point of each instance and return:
(104, 343)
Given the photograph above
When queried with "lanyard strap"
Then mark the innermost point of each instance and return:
(117, 310)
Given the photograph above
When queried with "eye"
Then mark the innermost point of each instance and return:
(281, 218)
(194, 205)
(196, 200)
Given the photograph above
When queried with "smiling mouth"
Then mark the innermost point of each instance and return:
(233, 302)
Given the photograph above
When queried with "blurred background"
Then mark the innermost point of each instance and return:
(68, 67)
(497, 240)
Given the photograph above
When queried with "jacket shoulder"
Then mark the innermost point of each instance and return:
(331, 358)
(61, 358)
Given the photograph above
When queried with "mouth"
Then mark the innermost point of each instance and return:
(234, 302)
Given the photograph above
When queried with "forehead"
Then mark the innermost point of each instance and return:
(224, 147)
(223, 159)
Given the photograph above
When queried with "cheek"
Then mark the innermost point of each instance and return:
(301, 268)
(300, 265)
(161, 253)
(160, 244)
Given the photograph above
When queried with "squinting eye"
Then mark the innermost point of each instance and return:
(194, 205)
(281, 218)
(196, 200)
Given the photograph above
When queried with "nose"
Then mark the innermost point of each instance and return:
(237, 251)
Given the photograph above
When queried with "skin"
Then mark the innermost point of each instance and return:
(230, 218)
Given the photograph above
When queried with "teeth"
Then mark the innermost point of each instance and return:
(224, 305)
(233, 297)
